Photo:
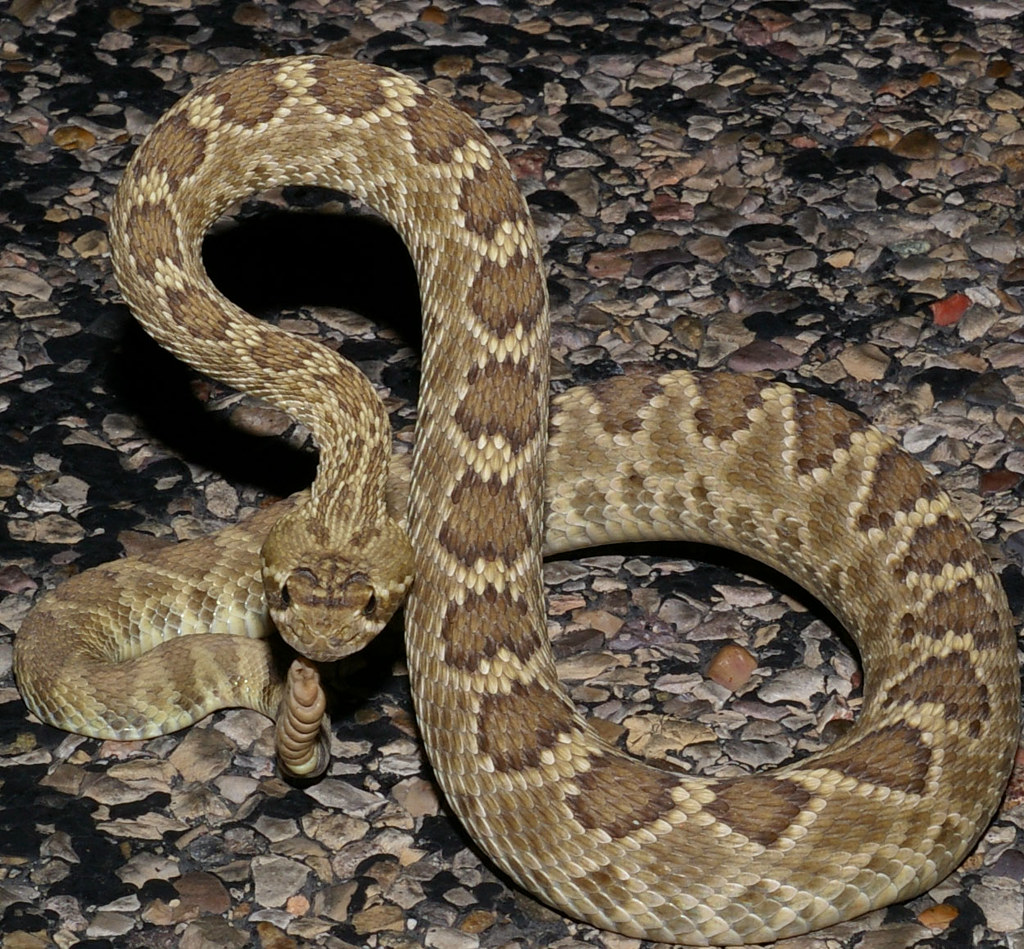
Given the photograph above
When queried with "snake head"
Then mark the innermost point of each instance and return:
(330, 599)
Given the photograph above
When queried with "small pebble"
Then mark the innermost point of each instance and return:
(732, 667)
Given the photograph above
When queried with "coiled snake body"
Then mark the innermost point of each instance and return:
(795, 481)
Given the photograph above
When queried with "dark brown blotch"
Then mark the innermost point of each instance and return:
(176, 147)
(760, 808)
(952, 682)
(621, 398)
(823, 429)
(349, 90)
(990, 626)
(435, 136)
(491, 197)
(894, 757)
(724, 403)
(190, 306)
(151, 234)
(961, 609)
(501, 536)
(899, 482)
(254, 112)
(486, 624)
(934, 545)
(247, 96)
(619, 795)
(520, 419)
(509, 297)
(515, 729)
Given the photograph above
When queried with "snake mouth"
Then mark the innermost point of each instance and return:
(329, 648)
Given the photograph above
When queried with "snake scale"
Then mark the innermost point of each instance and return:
(732, 460)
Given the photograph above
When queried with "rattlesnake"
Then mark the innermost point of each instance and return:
(733, 460)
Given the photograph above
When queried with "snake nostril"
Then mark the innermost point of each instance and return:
(286, 597)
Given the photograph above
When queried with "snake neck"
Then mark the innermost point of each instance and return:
(248, 131)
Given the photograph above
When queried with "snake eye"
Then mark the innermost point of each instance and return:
(371, 606)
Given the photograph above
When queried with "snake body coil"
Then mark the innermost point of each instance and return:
(795, 481)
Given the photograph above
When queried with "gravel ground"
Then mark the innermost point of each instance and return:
(825, 193)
